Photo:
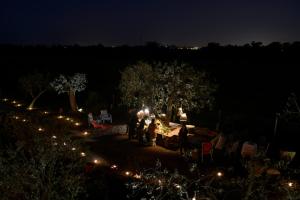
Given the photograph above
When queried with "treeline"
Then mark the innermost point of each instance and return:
(250, 76)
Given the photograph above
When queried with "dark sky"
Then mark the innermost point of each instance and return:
(132, 22)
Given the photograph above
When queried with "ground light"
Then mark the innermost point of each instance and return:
(82, 154)
(219, 174)
(85, 133)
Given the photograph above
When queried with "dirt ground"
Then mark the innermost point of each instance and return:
(130, 155)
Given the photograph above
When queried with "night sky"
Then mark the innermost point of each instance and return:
(134, 22)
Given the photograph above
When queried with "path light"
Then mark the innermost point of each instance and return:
(85, 133)
(14, 102)
(127, 173)
(177, 186)
(82, 154)
(219, 174)
(19, 105)
(113, 167)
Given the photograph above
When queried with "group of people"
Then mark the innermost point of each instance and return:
(138, 130)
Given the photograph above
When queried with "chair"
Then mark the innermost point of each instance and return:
(249, 150)
(105, 116)
(90, 119)
(206, 149)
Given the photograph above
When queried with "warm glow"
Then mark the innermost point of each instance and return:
(159, 182)
(45, 112)
(40, 129)
(85, 133)
(65, 144)
(5, 99)
(67, 118)
(114, 167)
(54, 137)
(137, 176)
(194, 198)
(96, 161)
(82, 154)
(73, 149)
(177, 186)
(19, 105)
(77, 124)
(290, 184)
(60, 117)
(80, 109)
(24, 120)
(127, 173)
(147, 121)
(16, 117)
(219, 174)
(30, 108)
(14, 102)
(146, 111)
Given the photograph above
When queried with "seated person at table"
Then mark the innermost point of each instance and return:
(152, 133)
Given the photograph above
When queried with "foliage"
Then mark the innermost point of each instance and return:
(35, 84)
(137, 85)
(36, 166)
(164, 86)
(161, 184)
(63, 84)
(70, 85)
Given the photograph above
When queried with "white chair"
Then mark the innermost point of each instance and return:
(90, 119)
(105, 116)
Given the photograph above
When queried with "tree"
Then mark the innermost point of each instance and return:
(35, 85)
(166, 86)
(70, 85)
(136, 85)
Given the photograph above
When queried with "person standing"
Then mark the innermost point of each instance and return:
(152, 132)
(183, 139)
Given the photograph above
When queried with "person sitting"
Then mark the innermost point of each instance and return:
(249, 149)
